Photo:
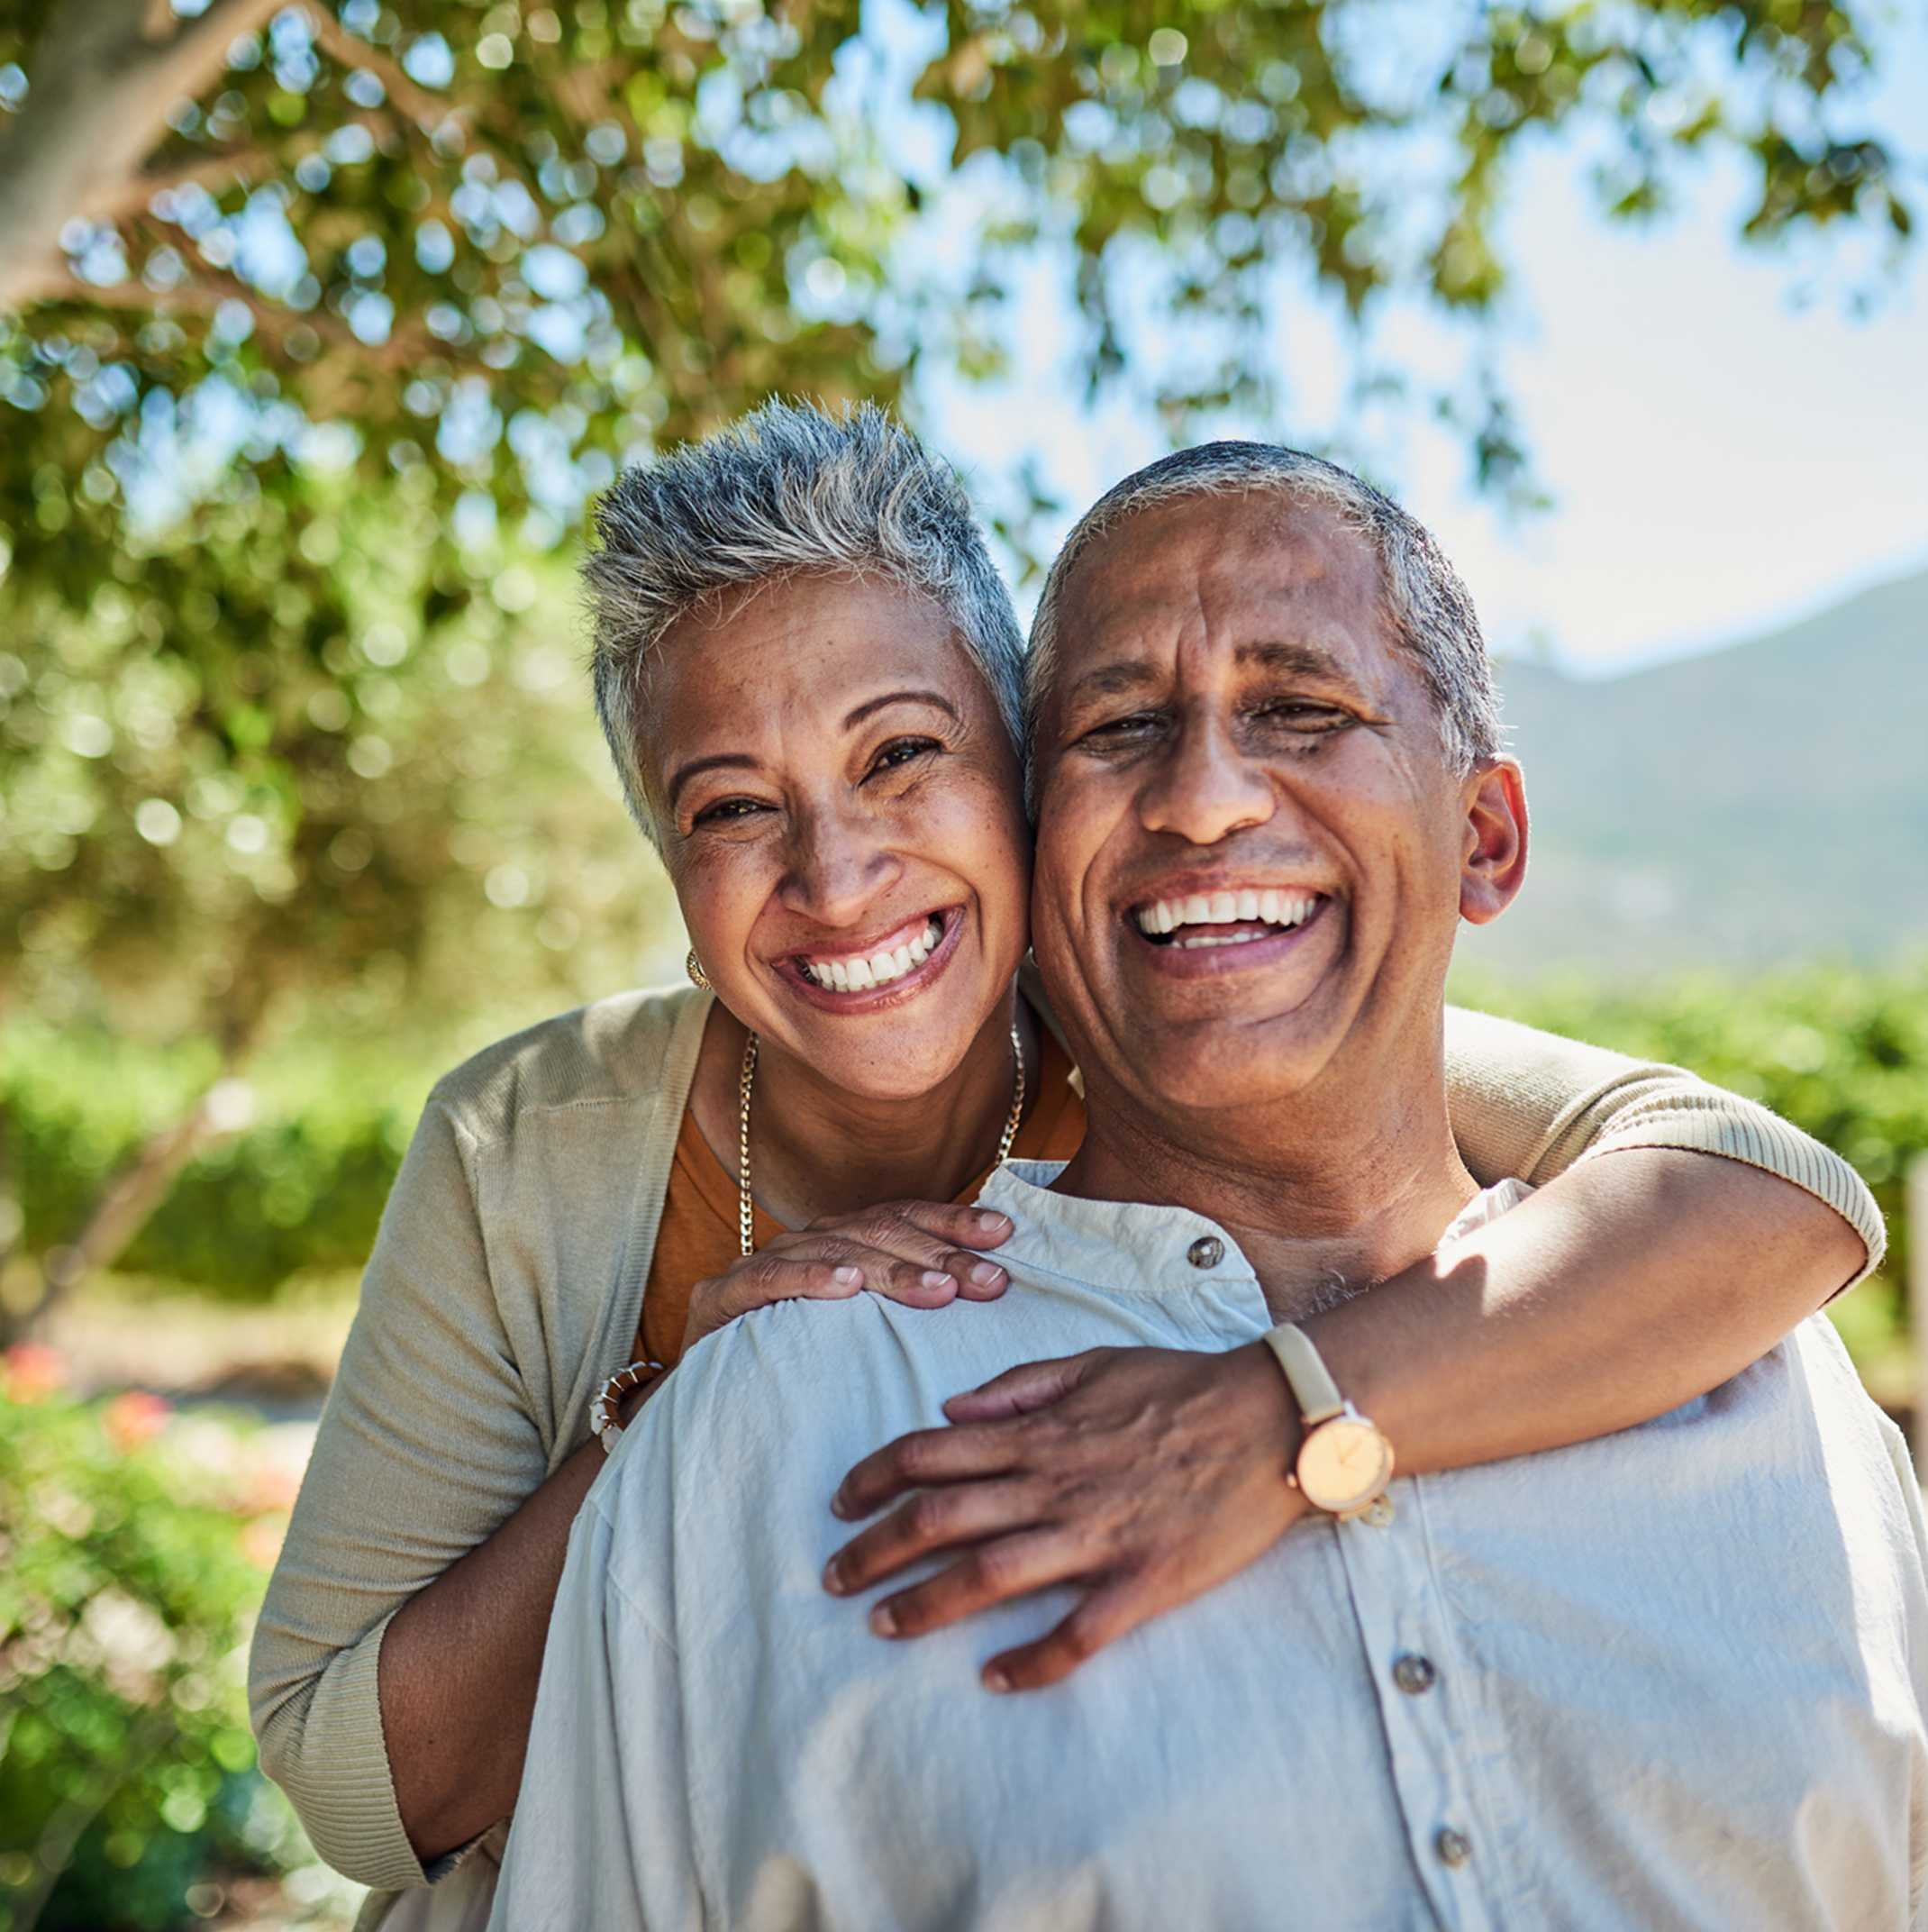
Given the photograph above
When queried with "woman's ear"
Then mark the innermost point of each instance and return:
(1494, 867)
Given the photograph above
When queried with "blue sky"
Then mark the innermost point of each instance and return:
(1728, 445)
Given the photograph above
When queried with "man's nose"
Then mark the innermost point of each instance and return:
(838, 861)
(1206, 788)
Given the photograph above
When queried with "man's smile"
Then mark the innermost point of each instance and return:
(1225, 918)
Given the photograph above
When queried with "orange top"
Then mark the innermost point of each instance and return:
(698, 1238)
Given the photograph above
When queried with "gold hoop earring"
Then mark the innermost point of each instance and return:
(693, 966)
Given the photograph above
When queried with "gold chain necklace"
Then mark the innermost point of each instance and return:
(746, 1206)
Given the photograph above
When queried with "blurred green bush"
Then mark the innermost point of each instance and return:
(1841, 1051)
(134, 1542)
(300, 1187)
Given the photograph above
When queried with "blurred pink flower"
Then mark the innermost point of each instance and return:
(261, 1540)
(31, 1371)
(134, 1419)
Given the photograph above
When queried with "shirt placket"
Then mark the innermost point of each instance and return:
(1411, 1658)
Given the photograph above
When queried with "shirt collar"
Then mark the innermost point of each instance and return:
(1058, 1232)
(1159, 1246)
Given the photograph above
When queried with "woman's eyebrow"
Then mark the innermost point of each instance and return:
(695, 767)
(873, 704)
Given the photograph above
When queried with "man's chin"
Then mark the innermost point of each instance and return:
(1228, 1062)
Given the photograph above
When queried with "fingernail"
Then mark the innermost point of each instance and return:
(884, 1621)
(932, 1279)
(986, 1275)
(839, 1508)
(833, 1576)
(994, 1678)
(849, 1278)
(991, 1223)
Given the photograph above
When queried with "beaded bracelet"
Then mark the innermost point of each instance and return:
(602, 1417)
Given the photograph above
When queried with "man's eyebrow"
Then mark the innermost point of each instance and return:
(1304, 660)
(873, 704)
(1307, 660)
(1111, 681)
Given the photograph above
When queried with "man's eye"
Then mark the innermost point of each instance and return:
(1303, 717)
(1127, 730)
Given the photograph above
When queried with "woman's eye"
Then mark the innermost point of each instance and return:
(901, 752)
(728, 811)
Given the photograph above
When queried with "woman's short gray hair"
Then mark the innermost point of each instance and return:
(1427, 608)
(788, 489)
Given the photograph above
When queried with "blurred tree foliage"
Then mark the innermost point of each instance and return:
(134, 1548)
(1842, 1053)
(319, 324)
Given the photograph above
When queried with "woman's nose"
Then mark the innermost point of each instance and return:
(1206, 788)
(838, 862)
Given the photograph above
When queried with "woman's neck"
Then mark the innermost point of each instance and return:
(816, 1149)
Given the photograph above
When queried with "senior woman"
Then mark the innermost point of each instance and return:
(809, 675)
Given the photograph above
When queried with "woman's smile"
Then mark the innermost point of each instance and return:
(901, 961)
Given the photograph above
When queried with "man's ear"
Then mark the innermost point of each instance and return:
(1494, 866)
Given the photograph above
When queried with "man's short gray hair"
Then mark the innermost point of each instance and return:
(786, 490)
(1427, 608)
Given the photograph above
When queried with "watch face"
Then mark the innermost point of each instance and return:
(1343, 1464)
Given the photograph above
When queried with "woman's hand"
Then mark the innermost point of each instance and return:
(1149, 1475)
(917, 1253)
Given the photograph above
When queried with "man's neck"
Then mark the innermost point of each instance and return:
(1323, 1202)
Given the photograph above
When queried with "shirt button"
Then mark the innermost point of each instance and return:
(1207, 1252)
(1415, 1674)
(1454, 1847)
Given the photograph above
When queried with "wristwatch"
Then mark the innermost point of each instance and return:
(1344, 1463)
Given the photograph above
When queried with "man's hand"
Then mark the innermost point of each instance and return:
(1149, 1475)
(917, 1253)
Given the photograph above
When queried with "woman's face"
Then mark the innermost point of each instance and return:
(843, 819)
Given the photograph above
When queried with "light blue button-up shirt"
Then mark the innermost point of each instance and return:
(1673, 1678)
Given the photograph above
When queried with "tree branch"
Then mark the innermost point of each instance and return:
(232, 164)
(95, 110)
(427, 109)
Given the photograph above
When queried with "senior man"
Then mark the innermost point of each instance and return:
(1674, 1677)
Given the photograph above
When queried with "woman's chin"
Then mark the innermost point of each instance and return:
(885, 1046)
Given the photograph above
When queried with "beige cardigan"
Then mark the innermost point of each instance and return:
(506, 1284)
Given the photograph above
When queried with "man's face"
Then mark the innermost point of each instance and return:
(1252, 853)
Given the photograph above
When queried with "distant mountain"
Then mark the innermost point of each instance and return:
(1764, 803)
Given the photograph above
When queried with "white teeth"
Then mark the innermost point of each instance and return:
(861, 975)
(1193, 940)
(1226, 908)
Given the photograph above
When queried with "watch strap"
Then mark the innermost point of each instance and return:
(1312, 1387)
